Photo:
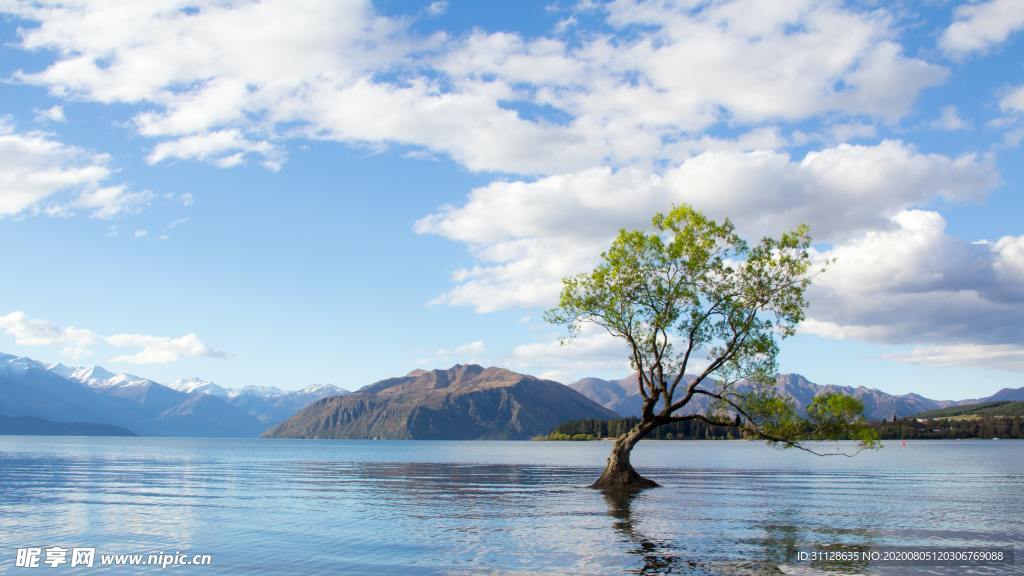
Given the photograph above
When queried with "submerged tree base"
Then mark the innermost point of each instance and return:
(629, 482)
(619, 473)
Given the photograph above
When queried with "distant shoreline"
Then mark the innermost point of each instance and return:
(128, 434)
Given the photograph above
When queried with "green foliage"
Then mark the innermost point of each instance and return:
(693, 286)
(902, 429)
(685, 430)
(830, 416)
(951, 428)
(834, 416)
(696, 279)
(773, 415)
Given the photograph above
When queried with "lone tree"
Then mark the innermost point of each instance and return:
(694, 289)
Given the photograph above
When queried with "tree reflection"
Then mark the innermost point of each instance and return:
(658, 557)
(667, 556)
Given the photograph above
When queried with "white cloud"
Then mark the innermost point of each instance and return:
(625, 95)
(177, 222)
(36, 332)
(469, 353)
(852, 131)
(473, 348)
(1008, 254)
(915, 284)
(437, 8)
(1001, 356)
(212, 76)
(52, 114)
(592, 352)
(980, 26)
(33, 168)
(1013, 101)
(78, 342)
(41, 175)
(526, 236)
(1012, 105)
(226, 148)
(109, 201)
(950, 120)
(775, 60)
(837, 191)
(141, 233)
(468, 125)
(236, 78)
(161, 350)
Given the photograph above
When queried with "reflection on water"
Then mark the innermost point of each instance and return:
(658, 557)
(324, 507)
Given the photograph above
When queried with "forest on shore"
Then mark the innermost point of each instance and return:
(950, 424)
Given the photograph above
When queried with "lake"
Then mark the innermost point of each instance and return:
(422, 507)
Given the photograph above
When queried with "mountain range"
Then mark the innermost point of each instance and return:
(269, 404)
(623, 396)
(461, 403)
(63, 394)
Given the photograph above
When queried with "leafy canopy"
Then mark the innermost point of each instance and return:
(693, 288)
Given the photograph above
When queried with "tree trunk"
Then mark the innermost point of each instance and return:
(619, 473)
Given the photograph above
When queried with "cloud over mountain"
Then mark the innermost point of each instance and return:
(78, 342)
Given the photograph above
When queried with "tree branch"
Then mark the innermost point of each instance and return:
(749, 425)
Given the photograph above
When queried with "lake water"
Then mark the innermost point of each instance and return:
(419, 507)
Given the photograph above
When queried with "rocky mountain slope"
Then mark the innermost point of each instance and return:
(461, 403)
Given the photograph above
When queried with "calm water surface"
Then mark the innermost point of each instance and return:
(418, 507)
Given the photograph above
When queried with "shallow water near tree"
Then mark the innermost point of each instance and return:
(419, 507)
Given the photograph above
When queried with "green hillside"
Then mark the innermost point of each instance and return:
(1005, 408)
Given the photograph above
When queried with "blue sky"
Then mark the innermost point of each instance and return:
(293, 192)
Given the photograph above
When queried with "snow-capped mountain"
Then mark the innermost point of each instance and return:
(324, 390)
(100, 378)
(193, 384)
(96, 376)
(273, 405)
(61, 369)
(186, 407)
(17, 364)
(56, 395)
(260, 391)
(190, 385)
(268, 404)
